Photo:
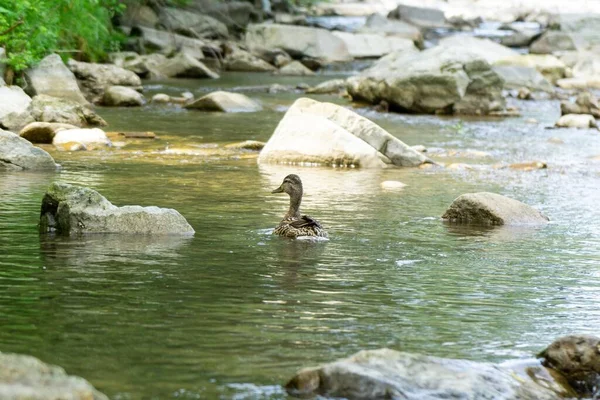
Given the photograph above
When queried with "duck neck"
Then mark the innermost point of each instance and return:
(295, 200)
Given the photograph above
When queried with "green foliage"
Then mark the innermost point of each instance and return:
(32, 29)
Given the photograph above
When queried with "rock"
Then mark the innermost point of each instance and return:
(579, 83)
(370, 45)
(17, 153)
(336, 137)
(13, 102)
(52, 77)
(276, 57)
(551, 67)
(298, 41)
(139, 15)
(419, 16)
(392, 185)
(185, 66)
(138, 135)
(529, 166)
(192, 24)
(161, 98)
(519, 39)
(329, 87)
(16, 121)
(379, 24)
(122, 96)
(528, 77)
(579, 121)
(295, 68)
(120, 58)
(167, 43)
(71, 210)
(587, 65)
(43, 132)
(555, 140)
(26, 377)
(491, 209)
(236, 15)
(551, 42)
(225, 102)
(253, 145)
(390, 374)
(459, 166)
(45, 108)
(146, 66)
(484, 48)
(586, 103)
(438, 80)
(86, 137)
(524, 94)
(96, 78)
(420, 148)
(241, 60)
(577, 357)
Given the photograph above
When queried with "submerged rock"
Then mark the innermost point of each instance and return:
(52, 77)
(26, 377)
(579, 121)
(45, 108)
(491, 209)
(43, 132)
(327, 134)
(122, 96)
(252, 145)
(17, 154)
(389, 374)
(225, 102)
(70, 210)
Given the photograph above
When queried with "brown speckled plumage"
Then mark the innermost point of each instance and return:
(294, 224)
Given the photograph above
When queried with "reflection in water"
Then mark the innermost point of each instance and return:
(493, 233)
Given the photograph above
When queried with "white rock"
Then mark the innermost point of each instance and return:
(579, 121)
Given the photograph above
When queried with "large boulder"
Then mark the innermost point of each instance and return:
(235, 14)
(389, 374)
(491, 209)
(551, 67)
(14, 103)
(551, 42)
(17, 153)
(328, 134)
(96, 78)
(122, 96)
(225, 102)
(438, 80)
(70, 210)
(419, 16)
(377, 23)
(183, 65)
(43, 132)
(519, 77)
(370, 45)
(26, 377)
(137, 14)
(52, 77)
(45, 108)
(298, 41)
(484, 48)
(243, 61)
(192, 24)
(151, 40)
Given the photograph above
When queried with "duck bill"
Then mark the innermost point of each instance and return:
(278, 190)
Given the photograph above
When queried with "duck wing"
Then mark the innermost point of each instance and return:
(305, 222)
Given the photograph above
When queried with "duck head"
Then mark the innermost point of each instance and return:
(291, 185)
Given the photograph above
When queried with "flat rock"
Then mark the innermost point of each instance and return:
(52, 77)
(25, 377)
(17, 154)
(86, 137)
(225, 102)
(388, 374)
(491, 209)
(43, 132)
(312, 132)
(122, 96)
(71, 210)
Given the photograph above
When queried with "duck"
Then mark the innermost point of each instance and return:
(293, 224)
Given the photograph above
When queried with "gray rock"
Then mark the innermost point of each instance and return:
(419, 16)
(517, 77)
(17, 153)
(25, 377)
(152, 40)
(243, 61)
(235, 14)
(298, 41)
(438, 80)
(376, 23)
(552, 41)
(43, 132)
(139, 15)
(388, 374)
(122, 96)
(484, 48)
(192, 24)
(491, 209)
(119, 58)
(374, 45)
(329, 87)
(52, 77)
(225, 102)
(185, 66)
(96, 78)
(276, 57)
(337, 137)
(587, 65)
(585, 103)
(579, 121)
(146, 66)
(519, 38)
(295, 68)
(16, 121)
(13, 100)
(161, 98)
(71, 210)
(549, 66)
(45, 108)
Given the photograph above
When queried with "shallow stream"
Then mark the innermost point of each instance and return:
(233, 312)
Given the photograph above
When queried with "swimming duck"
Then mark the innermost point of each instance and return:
(293, 224)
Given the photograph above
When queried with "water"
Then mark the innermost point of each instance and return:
(233, 312)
